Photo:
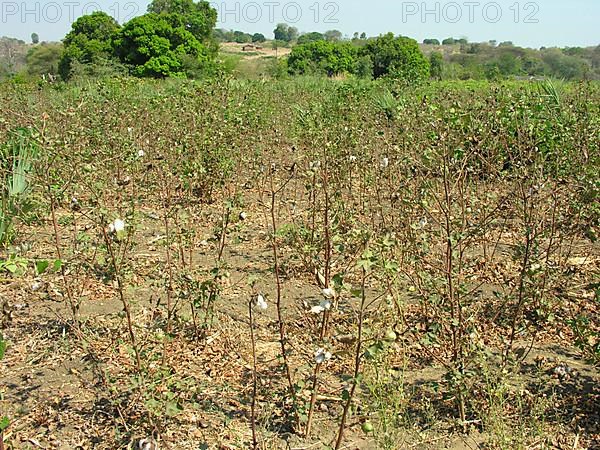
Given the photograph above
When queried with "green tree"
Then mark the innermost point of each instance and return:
(241, 38)
(89, 41)
(363, 35)
(35, 39)
(431, 42)
(311, 37)
(292, 34)
(44, 59)
(364, 67)
(197, 18)
(283, 32)
(564, 66)
(449, 41)
(159, 45)
(323, 57)
(258, 37)
(436, 63)
(397, 56)
(333, 35)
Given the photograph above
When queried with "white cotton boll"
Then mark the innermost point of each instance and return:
(326, 305)
(317, 309)
(141, 153)
(385, 162)
(148, 444)
(243, 216)
(117, 226)
(352, 158)
(314, 165)
(261, 303)
(329, 293)
(423, 222)
(321, 355)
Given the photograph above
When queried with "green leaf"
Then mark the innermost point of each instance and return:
(41, 266)
(2, 347)
(173, 408)
(4, 423)
(57, 265)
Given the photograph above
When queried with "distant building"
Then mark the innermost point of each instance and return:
(251, 47)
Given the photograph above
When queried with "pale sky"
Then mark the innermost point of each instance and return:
(530, 24)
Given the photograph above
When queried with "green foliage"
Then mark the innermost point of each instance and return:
(14, 265)
(44, 59)
(159, 45)
(398, 57)
(89, 41)
(436, 62)
(16, 163)
(333, 35)
(364, 67)
(586, 338)
(258, 37)
(323, 57)
(283, 32)
(197, 18)
(241, 38)
(35, 39)
(311, 37)
(431, 42)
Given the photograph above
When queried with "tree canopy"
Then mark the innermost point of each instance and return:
(311, 37)
(90, 40)
(283, 32)
(323, 57)
(44, 59)
(159, 45)
(398, 56)
(197, 18)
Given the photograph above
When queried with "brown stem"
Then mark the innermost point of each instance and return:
(73, 305)
(254, 379)
(126, 307)
(357, 360)
(280, 321)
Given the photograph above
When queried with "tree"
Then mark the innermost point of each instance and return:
(323, 57)
(431, 42)
(449, 41)
(363, 35)
(12, 54)
(311, 37)
(397, 56)
(436, 62)
(285, 33)
(44, 59)
(333, 35)
(35, 39)
(241, 38)
(160, 45)
(281, 32)
(197, 18)
(258, 37)
(89, 41)
(563, 66)
(364, 67)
